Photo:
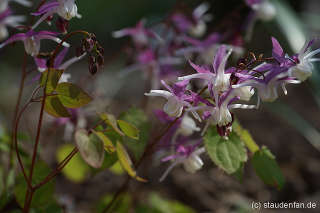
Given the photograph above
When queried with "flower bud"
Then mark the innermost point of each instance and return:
(100, 59)
(93, 68)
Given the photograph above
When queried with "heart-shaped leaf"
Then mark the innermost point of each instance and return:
(226, 154)
(128, 129)
(72, 96)
(112, 121)
(108, 145)
(90, 147)
(54, 107)
(267, 168)
(53, 79)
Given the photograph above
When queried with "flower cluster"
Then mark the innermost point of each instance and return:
(32, 38)
(7, 19)
(159, 51)
(227, 87)
(162, 51)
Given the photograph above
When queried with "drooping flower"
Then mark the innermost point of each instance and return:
(188, 126)
(67, 9)
(264, 9)
(300, 65)
(8, 20)
(267, 87)
(176, 97)
(31, 40)
(303, 62)
(139, 34)
(196, 23)
(220, 114)
(188, 155)
(42, 63)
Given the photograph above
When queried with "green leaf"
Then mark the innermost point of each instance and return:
(246, 137)
(267, 168)
(128, 129)
(72, 96)
(138, 118)
(76, 170)
(90, 147)
(54, 107)
(239, 173)
(112, 121)
(109, 160)
(54, 77)
(108, 145)
(43, 195)
(226, 154)
(126, 162)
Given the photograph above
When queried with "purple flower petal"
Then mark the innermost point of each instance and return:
(51, 5)
(219, 57)
(277, 49)
(199, 69)
(60, 57)
(41, 63)
(16, 37)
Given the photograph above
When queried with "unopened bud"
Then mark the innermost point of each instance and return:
(100, 59)
(93, 68)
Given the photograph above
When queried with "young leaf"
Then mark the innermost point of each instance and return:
(128, 129)
(139, 119)
(226, 154)
(112, 121)
(90, 147)
(246, 137)
(76, 170)
(108, 145)
(267, 168)
(72, 96)
(53, 79)
(126, 162)
(54, 107)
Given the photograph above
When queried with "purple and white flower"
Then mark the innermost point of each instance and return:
(139, 34)
(67, 9)
(218, 80)
(188, 156)
(177, 100)
(264, 9)
(42, 63)
(8, 20)
(196, 25)
(303, 67)
(31, 40)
